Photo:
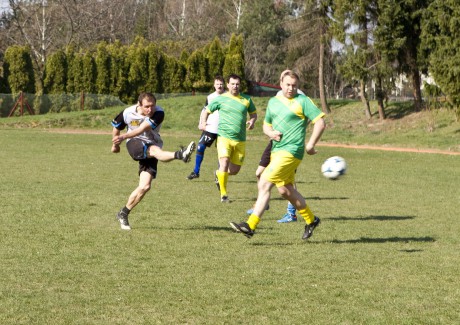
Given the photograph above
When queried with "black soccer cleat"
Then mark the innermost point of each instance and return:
(242, 228)
(309, 228)
(193, 175)
(186, 152)
(123, 219)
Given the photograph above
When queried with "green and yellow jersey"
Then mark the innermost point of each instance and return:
(291, 118)
(233, 111)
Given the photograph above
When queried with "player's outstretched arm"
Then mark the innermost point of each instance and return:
(145, 126)
(148, 124)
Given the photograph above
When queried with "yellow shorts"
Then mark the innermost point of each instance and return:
(281, 169)
(235, 150)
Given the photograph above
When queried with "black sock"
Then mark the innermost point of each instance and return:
(178, 154)
(126, 210)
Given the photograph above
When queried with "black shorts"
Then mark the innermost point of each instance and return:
(207, 138)
(265, 159)
(137, 149)
(149, 165)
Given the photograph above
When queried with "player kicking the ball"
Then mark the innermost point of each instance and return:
(144, 145)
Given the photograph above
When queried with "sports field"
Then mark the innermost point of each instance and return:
(386, 252)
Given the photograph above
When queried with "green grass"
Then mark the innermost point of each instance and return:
(385, 253)
(435, 129)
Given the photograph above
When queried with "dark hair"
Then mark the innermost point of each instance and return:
(220, 78)
(148, 96)
(233, 76)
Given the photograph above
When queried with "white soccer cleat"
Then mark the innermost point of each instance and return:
(188, 151)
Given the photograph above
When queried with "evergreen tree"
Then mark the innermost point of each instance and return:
(119, 68)
(215, 58)
(73, 69)
(197, 72)
(4, 87)
(18, 69)
(55, 80)
(441, 41)
(153, 83)
(184, 55)
(138, 69)
(103, 62)
(234, 60)
(88, 76)
(407, 16)
(174, 75)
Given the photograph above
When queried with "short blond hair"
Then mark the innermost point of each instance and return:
(289, 73)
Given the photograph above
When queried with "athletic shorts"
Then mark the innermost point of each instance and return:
(207, 138)
(265, 159)
(281, 169)
(137, 149)
(235, 150)
(149, 165)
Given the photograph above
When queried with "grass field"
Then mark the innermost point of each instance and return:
(387, 251)
(435, 129)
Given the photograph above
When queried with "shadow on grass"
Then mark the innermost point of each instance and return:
(310, 198)
(271, 244)
(397, 110)
(278, 198)
(326, 198)
(255, 181)
(337, 103)
(366, 240)
(380, 218)
(411, 250)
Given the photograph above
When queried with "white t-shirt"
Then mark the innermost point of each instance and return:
(133, 119)
(213, 119)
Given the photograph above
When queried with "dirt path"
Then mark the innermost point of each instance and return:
(321, 144)
(386, 148)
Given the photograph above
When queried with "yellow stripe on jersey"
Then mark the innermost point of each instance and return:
(293, 105)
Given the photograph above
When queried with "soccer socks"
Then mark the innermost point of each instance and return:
(307, 215)
(290, 209)
(199, 158)
(125, 210)
(253, 221)
(223, 180)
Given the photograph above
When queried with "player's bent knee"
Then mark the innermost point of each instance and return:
(144, 188)
(201, 148)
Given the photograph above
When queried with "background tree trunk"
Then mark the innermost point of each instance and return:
(364, 99)
(418, 104)
(325, 108)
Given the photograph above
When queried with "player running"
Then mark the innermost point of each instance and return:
(209, 134)
(285, 123)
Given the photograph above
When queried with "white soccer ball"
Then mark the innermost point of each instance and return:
(334, 167)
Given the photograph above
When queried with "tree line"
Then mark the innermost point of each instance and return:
(332, 44)
(123, 70)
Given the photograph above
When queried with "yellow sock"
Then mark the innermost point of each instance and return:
(253, 221)
(307, 215)
(223, 179)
